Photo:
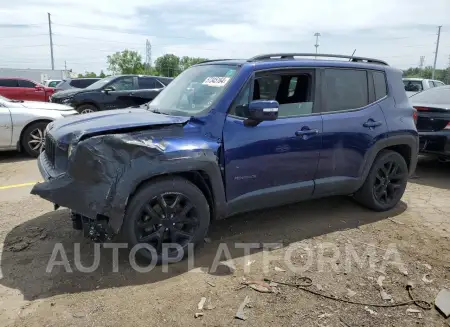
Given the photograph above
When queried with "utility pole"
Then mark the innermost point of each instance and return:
(148, 55)
(51, 40)
(421, 62)
(317, 42)
(436, 53)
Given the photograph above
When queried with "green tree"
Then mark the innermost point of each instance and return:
(186, 62)
(102, 74)
(87, 74)
(125, 62)
(168, 65)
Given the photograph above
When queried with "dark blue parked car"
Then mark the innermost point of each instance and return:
(230, 136)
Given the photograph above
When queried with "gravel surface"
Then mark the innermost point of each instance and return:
(342, 247)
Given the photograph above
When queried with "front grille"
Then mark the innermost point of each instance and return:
(50, 149)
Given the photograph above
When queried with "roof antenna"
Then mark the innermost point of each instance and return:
(351, 57)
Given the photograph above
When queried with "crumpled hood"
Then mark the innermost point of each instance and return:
(45, 105)
(71, 129)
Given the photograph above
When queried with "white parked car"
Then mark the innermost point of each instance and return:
(416, 85)
(23, 123)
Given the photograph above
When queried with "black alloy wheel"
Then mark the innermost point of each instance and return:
(389, 181)
(386, 182)
(166, 211)
(167, 218)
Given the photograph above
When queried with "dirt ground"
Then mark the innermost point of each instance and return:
(322, 230)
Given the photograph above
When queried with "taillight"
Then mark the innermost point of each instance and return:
(448, 126)
(422, 108)
(415, 117)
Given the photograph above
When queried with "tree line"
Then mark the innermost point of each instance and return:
(442, 75)
(170, 65)
(130, 62)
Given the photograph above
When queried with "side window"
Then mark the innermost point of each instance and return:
(76, 83)
(147, 83)
(28, 84)
(345, 89)
(379, 82)
(431, 84)
(8, 82)
(123, 84)
(438, 83)
(293, 91)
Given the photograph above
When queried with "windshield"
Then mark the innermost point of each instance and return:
(194, 90)
(100, 83)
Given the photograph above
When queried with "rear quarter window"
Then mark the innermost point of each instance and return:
(379, 82)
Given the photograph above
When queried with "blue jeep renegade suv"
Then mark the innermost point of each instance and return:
(230, 136)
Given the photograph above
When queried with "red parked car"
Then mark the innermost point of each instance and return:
(24, 89)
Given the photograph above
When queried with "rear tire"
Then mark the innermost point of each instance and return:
(33, 138)
(185, 219)
(385, 183)
(86, 108)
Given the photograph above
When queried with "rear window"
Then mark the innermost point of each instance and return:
(8, 82)
(82, 83)
(413, 86)
(439, 95)
(379, 82)
(346, 89)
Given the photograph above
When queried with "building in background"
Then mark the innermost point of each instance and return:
(37, 75)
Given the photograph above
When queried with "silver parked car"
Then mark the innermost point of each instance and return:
(415, 85)
(23, 123)
(75, 83)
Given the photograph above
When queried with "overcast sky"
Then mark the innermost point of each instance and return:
(86, 31)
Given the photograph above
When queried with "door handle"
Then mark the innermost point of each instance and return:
(131, 93)
(371, 123)
(306, 132)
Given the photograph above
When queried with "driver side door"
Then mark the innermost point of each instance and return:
(122, 93)
(274, 162)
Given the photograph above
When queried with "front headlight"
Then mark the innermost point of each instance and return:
(67, 100)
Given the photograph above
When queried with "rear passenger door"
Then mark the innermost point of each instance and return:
(352, 122)
(30, 91)
(149, 88)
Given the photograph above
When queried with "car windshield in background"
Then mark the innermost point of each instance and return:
(165, 80)
(100, 83)
(194, 90)
(413, 86)
(436, 95)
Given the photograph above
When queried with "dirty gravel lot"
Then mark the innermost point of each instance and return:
(418, 228)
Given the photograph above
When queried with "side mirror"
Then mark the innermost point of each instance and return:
(108, 89)
(262, 110)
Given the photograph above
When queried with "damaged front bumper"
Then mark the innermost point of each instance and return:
(85, 200)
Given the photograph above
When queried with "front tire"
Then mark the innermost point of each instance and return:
(385, 183)
(86, 108)
(164, 211)
(33, 139)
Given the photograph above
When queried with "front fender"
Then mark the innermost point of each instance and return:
(104, 171)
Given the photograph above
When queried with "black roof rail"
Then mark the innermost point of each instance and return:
(292, 55)
(212, 60)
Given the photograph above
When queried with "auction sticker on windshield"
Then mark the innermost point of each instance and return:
(216, 81)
